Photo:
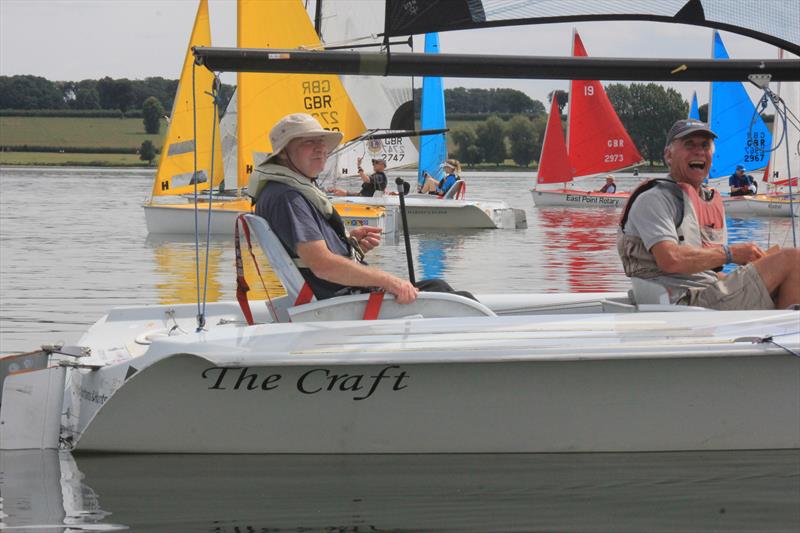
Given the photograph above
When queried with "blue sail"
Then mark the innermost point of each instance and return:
(432, 148)
(694, 112)
(743, 138)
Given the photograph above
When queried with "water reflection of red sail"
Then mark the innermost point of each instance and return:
(581, 249)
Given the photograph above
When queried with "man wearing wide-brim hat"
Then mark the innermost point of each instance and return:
(673, 233)
(305, 221)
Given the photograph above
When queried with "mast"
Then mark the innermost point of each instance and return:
(569, 89)
(318, 19)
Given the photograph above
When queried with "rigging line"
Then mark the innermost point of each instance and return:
(790, 176)
(201, 319)
(214, 94)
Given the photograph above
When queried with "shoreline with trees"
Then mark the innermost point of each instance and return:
(110, 122)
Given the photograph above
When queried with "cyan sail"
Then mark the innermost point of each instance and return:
(432, 148)
(742, 137)
(694, 112)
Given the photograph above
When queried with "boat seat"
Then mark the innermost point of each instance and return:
(348, 307)
(651, 296)
(455, 191)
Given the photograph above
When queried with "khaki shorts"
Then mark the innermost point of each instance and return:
(741, 289)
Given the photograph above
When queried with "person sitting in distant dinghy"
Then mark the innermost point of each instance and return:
(371, 185)
(673, 233)
(305, 221)
(453, 169)
(610, 187)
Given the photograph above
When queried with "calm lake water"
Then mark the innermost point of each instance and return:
(73, 244)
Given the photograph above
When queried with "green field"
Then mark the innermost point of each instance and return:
(76, 132)
(90, 160)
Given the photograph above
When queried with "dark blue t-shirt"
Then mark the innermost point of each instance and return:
(295, 220)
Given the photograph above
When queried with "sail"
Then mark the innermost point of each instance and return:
(432, 148)
(228, 127)
(265, 99)
(384, 103)
(785, 163)
(742, 137)
(596, 139)
(554, 165)
(694, 111)
(175, 173)
(774, 22)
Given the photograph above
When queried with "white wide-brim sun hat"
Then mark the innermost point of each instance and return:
(299, 126)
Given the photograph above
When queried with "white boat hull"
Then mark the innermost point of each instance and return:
(170, 219)
(571, 198)
(427, 212)
(536, 383)
(180, 218)
(534, 406)
(760, 206)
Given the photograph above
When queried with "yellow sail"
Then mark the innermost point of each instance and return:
(176, 167)
(264, 98)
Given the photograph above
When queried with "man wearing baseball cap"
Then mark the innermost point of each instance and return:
(377, 181)
(305, 221)
(673, 233)
(741, 184)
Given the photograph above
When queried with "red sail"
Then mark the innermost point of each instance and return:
(597, 139)
(554, 164)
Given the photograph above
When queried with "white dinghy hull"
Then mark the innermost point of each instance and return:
(428, 212)
(176, 219)
(179, 219)
(185, 404)
(483, 384)
(759, 206)
(569, 198)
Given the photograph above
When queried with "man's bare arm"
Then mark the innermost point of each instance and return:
(337, 269)
(675, 259)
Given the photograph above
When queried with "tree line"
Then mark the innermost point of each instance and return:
(34, 92)
(646, 110)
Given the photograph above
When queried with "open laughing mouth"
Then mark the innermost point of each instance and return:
(698, 165)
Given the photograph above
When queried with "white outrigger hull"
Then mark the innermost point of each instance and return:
(761, 206)
(429, 212)
(532, 383)
(572, 198)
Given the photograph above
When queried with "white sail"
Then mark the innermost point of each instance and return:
(383, 102)
(786, 163)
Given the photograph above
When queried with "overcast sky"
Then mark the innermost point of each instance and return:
(80, 39)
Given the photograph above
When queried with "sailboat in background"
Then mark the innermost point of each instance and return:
(424, 210)
(432, 148)
(781, 175)
(176, 169)
(258, 102)
(742, 139)
(597, 142)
